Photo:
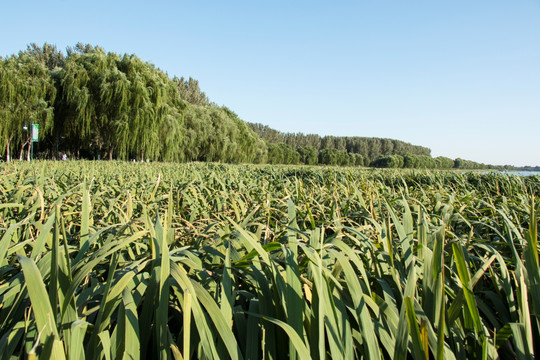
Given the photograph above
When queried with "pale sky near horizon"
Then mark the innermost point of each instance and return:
(459, 77)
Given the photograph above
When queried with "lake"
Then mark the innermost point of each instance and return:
(521, 173)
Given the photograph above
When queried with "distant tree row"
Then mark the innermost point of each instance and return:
(281, 153)
(412, 161)
(369, 148)
(470, 165)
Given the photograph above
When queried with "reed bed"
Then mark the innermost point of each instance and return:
(105, 260)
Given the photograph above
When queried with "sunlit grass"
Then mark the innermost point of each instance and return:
(110, 260)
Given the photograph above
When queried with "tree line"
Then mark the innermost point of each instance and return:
(413, 161)
(369, 147)
(94, 104)
(311, 149)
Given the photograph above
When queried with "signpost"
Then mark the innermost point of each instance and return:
(35, 138)
(35, 132)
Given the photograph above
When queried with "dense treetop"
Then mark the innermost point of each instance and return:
(94, 104)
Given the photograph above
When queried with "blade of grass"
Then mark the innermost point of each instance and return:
(42, 310)
(465, 278)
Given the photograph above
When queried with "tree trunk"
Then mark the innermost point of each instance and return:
(21, 153)
(57, 154)
(111, 149)
(29, 149)
(142, 156)
(8, 157)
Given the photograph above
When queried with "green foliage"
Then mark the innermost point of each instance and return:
(120, 105)
(328, 157)
(356, 159)
(308, 155)
(359, 160)
(467, 164)
(336, 157)
(443, 162)
(190, 91)
(112, 106)
(412, 161)
(95, 104)
(388, 161)
(27, 95)
(113, 260)
(47, 54)
(217, 134)
(282, 153)
(368, 148)
(343, 158)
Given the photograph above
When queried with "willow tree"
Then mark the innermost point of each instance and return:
(154, 111)
(189, 91)
(95, 94)
(166, 124)
(217, 134)
(26, 97)
(249, 148)
(221, 146)
(79, 100)
(139, 135)
(7, 98)
(199, 132)
(171, 133)
(171, 122)
(113, 121)
(48, 54)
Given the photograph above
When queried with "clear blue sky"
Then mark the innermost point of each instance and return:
(461, 77)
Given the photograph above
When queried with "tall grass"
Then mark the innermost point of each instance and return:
(194, 261)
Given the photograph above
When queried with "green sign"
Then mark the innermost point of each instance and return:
(35, 132)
